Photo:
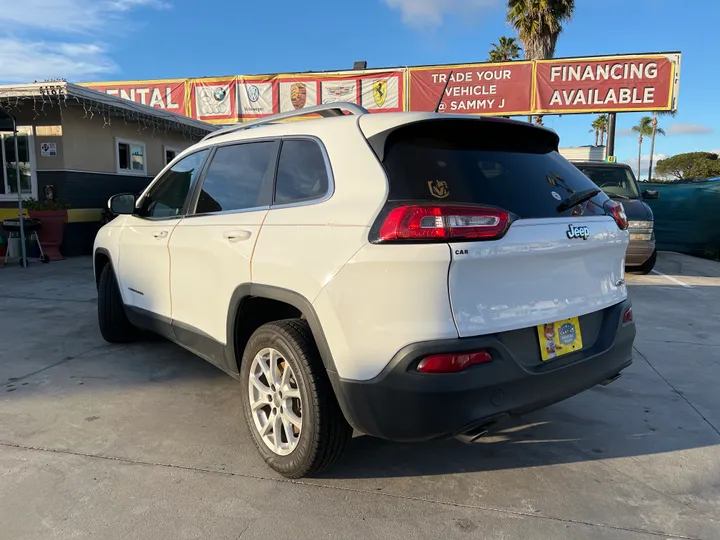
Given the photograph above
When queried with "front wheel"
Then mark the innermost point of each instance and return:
(289, 405)
(646, 267)
(114, 324)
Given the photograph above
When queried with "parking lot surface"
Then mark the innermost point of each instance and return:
(147, 441)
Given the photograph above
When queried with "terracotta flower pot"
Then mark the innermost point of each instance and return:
(52, 231)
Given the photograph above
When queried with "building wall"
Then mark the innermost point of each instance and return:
(84, 173)
(47, 127)
(584, 153)
(89, 144)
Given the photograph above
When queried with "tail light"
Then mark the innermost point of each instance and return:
(443, 223)
(617, 211)
(452, 363)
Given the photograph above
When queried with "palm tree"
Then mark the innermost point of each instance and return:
(538, 24)
(603, 121)
(644, 129)
(655, 131)
(600, 127)
(596, 129)
(505, 50)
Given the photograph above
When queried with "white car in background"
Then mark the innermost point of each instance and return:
(413, 276)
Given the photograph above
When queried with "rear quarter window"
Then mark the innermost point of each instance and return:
(510, 166)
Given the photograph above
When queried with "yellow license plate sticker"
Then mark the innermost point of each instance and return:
(559, 338)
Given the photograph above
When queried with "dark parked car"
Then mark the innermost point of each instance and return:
(619, 183)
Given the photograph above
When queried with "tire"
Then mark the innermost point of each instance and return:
(646, 267)
(114, 324)
(324, 433)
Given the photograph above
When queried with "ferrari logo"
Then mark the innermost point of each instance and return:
(298, 95)
(380, 92)
(438, 189)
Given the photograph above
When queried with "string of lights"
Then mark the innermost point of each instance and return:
(41, 97)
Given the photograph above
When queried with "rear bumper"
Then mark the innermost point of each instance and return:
(638, 252)
(404, 405)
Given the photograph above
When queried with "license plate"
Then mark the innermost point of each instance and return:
(559, 338)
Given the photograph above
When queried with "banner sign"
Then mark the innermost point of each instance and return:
(213, 100)
(226, 100)
(489, 89)
(168, 95)
(623, 83)
(631, 83)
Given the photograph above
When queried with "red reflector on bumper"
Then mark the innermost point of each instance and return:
(452, 363)
(628, 316)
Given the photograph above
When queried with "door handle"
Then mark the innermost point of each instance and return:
(160, 234)
(237, 236)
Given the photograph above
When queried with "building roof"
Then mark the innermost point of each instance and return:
(67, 94)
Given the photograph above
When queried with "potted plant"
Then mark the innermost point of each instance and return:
(53, 215)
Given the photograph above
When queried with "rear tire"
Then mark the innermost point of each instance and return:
(323, 433)
(646, 267)
(114, 324)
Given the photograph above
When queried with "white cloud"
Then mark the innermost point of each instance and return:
(41, 39)
(644, 164)
(24, 61)
(625, 132)
(679, 128)
(430, 13)
(69, 16)
(126, 5)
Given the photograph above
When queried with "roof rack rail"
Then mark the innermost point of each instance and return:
(326, 110)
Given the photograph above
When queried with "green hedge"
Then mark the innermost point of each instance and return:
(687, 217)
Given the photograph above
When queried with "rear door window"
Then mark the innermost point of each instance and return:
(498, 164)
(239, 178)
(302, 173)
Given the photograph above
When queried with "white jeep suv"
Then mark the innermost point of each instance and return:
(413, 276)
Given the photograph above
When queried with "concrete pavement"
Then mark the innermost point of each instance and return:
(147, 441)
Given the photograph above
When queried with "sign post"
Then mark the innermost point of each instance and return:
(8, 123)
(612, 120)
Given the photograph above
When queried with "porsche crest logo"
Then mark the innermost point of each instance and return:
(298, 95)
(439, 189)
(380, 92)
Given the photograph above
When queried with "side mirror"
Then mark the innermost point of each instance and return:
(123, 203)
(651, 194)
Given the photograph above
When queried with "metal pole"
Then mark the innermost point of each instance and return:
(19, 192)
(611, 135)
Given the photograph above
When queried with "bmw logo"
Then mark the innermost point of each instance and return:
(253, 93)
(220, 94)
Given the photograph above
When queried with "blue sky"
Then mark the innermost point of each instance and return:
(92, 40)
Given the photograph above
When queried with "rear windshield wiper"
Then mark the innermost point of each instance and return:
(577, 198)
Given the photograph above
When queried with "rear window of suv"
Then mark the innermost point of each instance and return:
(505, 165)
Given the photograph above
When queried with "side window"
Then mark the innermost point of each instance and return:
(302, 172)
(239, 177)
(167, 197)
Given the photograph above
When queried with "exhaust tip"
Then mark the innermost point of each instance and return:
(479, 429)
(471, 436)
(611, 380)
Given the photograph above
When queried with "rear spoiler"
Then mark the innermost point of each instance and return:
(477, 133)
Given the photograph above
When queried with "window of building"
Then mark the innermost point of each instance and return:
(302, 172)
(168, 195)
(26, 163)
(170, 154)
(130, 156)
(239, 177)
